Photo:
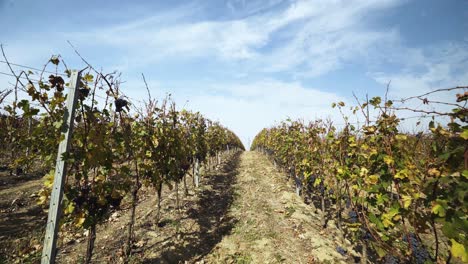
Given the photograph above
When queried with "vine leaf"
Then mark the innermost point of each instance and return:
(458, 250)
(439, 210)
(406, 201)
(464, 134)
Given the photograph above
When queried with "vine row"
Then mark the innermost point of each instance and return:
(403, 195)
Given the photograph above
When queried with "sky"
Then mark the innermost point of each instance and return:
(249, 64)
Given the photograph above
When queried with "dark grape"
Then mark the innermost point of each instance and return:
(366, 234)
(120, 104)
(341, 250)
(348, 202)
(114, 202)
(83, 93)
(322, 189)
(79, 200)
(420, 254)
(352, 217)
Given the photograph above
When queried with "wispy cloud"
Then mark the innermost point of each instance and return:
(423, 70)
(325, 34)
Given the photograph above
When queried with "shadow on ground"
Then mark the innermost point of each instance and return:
(211, 214)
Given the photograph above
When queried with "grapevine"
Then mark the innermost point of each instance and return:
(117, 146)
(381, 184)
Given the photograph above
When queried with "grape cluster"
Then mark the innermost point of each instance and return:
(120, 103)
(420, 254)
(56, 82)
(352, 217)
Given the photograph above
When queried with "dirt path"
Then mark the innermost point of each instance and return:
(244, 212)
(273, 224)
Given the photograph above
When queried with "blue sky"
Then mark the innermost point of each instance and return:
(250, 63)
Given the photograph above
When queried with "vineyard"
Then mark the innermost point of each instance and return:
(127, 180)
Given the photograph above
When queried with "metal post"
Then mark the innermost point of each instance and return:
(196, 174)
(55, 207)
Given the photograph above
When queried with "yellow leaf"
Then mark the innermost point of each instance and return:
(464, 134)
(49, 179)
(458, 250)
(388, 160)
(317, 182)
(363, 172)
(401, 137)
(406, 201)
(372, 179)
(387, 218)
(434, 172)
(148, 154)
(100, 178)
(80, 219)
(387, 222)
(402, 174)
(438, 210)
(70, 208)
(41, 200)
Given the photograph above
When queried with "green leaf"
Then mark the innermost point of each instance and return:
(376, 221)
(465, 174)
(380, 251)
(58, 124)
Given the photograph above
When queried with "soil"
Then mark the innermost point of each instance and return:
(243, 212)
(21, 219)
